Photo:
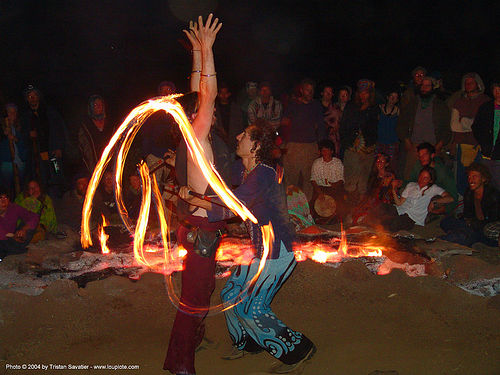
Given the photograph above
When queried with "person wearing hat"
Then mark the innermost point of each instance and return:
(486, 128)
(358, 137)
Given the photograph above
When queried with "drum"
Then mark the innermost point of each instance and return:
(325, 206)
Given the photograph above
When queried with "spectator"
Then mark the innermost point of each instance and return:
(35, 200)
(332, 115)
(481, 206)
(358, 136)
(304, 119)
(229, 121)
(94, 133)
(413, 88)
(379, 191)
(426, 154)
(13, 151)
(298, 208)
(265, 106)
(46, 133)
(245, 97)
(71, 210)
(160, 132)
(13, 237)
(412, 206)
(424, 119)
(133, 196)
(344, 97)
(105, 199)
(327, 178)
(387, 138)
(462, 116)
(485, 129)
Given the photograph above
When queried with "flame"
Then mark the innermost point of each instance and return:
(103, 237)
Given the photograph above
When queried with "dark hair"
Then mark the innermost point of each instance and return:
(326, 143)
(264, 137)
(426, 146)
(371, 99)
(373, 179)
(432, 174)
(307, 81)
(265, 84)
(482, 169)
(26, 194)
(5, 191)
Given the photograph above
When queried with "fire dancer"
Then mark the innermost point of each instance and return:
(198, 276)
(251, 323)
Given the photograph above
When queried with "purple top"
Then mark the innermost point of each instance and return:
(8, 222)
(307, 122)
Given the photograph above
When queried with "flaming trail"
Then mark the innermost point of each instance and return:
(142, 221)
(103, 237)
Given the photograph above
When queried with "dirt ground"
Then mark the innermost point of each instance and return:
(359, 322)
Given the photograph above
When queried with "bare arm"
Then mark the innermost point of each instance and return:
(205, 34)
(196, 53)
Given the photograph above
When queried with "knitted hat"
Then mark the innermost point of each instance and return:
(365, 84)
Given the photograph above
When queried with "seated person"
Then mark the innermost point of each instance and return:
(105, 200)
(414, 203)
(71, 211)
(327, 178)
(133, 196)
(426, 154)
(35, 200)
(481, 206)
(379, 189)
(14, 238)
(298, 208)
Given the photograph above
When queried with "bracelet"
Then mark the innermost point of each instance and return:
(193, 50)
(196, 71)
(208, 75)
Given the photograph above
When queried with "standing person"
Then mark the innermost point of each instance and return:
(413, 88)
(46, 130)
(251, 323)
(485, 129)
(387, 139)
(425, 118)
(12, 149)
(332, 115)
(265, 106)
(229, 119)
(304, 118)
(94, 133)
(198, 276)
(358, 136)
(463, 113)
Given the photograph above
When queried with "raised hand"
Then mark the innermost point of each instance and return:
(195, 44)
(206, 33)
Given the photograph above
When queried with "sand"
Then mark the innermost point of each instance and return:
(359, 322)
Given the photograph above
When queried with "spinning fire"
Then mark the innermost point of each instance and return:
(123, 139)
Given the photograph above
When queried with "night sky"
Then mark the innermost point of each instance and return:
(122, 49)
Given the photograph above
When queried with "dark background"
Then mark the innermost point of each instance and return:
(123, 49)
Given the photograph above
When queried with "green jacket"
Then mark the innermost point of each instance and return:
(45, 209)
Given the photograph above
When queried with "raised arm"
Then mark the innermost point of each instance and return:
(196, 54)
(205, 34)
